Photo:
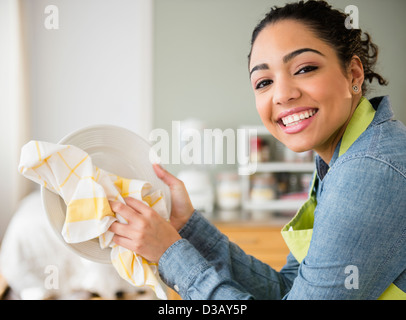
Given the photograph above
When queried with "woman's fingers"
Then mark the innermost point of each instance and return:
(120, 229)
(123, 241)
(125, 211)
(182, 207)
(137, 214)
(146, 233)
(138, 206)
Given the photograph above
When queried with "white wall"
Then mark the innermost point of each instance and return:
(14, 124)
(94, 69)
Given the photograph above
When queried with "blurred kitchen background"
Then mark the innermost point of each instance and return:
(143, 64)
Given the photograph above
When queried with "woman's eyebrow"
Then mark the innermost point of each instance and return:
(295, 53)
(262, 66)
(286, 59)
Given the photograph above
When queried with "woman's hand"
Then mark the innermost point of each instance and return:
(146, 233)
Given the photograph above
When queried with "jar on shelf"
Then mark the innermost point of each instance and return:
(306, 181)
(265, 151)
(282, 183)
(228, 191)
(294, 183)
(263, 187)
(256, 149)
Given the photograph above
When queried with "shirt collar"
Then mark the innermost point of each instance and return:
(383, 113)
(383, 109)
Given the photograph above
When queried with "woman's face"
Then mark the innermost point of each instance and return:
(302, 95)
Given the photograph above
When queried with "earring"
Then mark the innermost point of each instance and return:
(355, 88)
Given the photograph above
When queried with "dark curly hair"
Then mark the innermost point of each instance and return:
(330, 26)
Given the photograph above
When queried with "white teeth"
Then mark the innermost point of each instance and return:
(296, 118)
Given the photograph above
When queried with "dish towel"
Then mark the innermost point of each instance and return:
(86, 189)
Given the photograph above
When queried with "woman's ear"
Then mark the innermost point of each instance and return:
(356, 74)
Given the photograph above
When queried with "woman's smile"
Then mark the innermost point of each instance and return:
(296, 119)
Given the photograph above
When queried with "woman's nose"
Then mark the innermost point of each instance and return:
(285, 90)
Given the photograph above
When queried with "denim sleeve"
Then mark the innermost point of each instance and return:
(358, 246)
(206, 265)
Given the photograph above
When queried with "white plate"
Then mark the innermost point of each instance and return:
(113, 149)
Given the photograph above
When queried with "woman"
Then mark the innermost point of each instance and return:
(348, 241)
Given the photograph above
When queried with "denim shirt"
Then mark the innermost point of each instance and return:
(358, 247)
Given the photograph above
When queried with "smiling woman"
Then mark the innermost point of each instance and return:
(299, 79)
(300, 67)
(336, 64)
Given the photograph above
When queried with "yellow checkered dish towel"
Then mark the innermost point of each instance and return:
(86, 190)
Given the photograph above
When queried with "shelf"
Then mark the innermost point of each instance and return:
(292, 163)
(277, 205)
(277, 167)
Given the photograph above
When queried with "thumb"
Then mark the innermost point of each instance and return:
(164, 175)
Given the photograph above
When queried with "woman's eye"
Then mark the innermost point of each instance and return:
(263, 84)
(306, 69)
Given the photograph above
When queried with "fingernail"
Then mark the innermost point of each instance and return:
(159, 165)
